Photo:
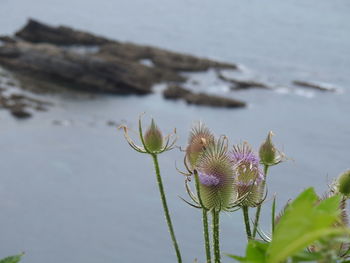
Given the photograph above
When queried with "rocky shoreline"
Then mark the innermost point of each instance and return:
(81, 61)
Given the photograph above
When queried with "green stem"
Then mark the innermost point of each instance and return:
(215, 215)
(258, 210)
(206, 235)
(256, 221)
(165, 207)
(205, 220)
(246, 221)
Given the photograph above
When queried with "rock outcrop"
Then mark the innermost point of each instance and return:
(91, 73)
(37, 32)
(50, 53)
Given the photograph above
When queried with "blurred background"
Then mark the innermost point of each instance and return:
(71, 190)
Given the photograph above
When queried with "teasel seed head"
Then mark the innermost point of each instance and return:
(268, 153)
(199, 139)
(215, 176)
(249, 178)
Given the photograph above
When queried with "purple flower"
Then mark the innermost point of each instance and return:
(208, 179)
(246, 164)
(249, 178)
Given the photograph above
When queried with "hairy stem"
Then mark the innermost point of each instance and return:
(165, 208)
(258, 210)
(215, 215)
(205, 220)
(246, 221)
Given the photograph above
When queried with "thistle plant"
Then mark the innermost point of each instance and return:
(154, 144)
(249, 180)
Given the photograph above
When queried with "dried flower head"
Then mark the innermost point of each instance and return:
(249, 178)
(269, 154)
(199, 139)
(152, 141)
(215, 176)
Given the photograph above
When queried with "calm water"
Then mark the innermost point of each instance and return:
(77, 193)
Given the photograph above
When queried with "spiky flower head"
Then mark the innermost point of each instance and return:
(343, 184)
(200, 138)
(215, 176)
(268, 153)
(249, 178)
(153, 138)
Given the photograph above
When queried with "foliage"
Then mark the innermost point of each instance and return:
(12, 259)
(302, 224)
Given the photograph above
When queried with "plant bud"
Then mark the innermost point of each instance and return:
(153, 138)
(200, 138)
(268, 153)
(344, 183)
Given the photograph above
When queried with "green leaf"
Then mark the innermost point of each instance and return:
(255, 253)
(12, 259)
(303, 223)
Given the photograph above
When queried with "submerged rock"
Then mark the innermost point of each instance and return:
(19, 112)
(244, 84)
(176, 92)
(19, 104)
(314, 85)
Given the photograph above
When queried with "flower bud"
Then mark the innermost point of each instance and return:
(200, 138)
(153, 138)
(268, 153)
(344, 183)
